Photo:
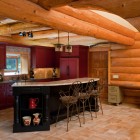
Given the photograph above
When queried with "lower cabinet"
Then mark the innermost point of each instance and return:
(114, 95)
(6, 95)
(31, 109)
(2, 96)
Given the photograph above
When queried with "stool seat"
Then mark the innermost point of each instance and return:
(68, 99)
(83, 96)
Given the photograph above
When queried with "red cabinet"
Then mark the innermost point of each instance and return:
(75, 52)
(9, 95)
(2, 96)
(2, 56)
(42, 57)
(69, 68)
(6, 95)
(75, 64)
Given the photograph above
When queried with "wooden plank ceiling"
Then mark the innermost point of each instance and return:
(45, 17)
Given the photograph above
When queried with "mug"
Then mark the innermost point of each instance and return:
(33, 102)
(26, 120)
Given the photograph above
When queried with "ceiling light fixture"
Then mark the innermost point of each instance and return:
(30, 34)
(68, 47)
(58, 46)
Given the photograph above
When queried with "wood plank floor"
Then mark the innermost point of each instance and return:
(118, 123)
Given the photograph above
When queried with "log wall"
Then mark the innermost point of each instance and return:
(124, 69)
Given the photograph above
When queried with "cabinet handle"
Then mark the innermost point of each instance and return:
(67, 70)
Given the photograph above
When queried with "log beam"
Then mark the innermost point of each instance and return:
(17, 27)
(96, 19)
(47, 4)
(51, 33)
(57, 20)
(23, 42)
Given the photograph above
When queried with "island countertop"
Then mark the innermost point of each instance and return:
(53, 83)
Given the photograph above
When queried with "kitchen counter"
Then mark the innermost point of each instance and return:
(52, 83)
(48, 97)
(31, 80)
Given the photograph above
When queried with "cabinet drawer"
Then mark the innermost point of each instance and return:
(113, 90)
(112, 99)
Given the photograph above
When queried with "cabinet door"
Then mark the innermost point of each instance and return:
(74, 53)
(98, 67)
(2, 56)
(38, 57)
(2, 96)
(9, 95)
(42, 57)
(69, 68)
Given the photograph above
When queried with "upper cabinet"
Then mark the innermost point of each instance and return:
(74, 64)
(75, 52)
(2, 56)
(42, 57)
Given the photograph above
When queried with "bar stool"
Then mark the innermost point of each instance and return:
(84, 97)
(95, 94)
(70, 98)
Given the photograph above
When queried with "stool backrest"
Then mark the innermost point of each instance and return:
(75, 88)
(90, 86)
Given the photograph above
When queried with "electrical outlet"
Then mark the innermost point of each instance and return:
(115, 76)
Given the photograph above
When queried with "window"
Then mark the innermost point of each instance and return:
(17, 60)
(13, 64)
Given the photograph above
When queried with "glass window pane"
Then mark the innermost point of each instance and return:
(11, 64)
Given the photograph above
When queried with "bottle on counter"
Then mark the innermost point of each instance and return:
(31, 73)
(1, 77)
(54, 73)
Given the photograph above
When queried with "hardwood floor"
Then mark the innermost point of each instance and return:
(118, 123)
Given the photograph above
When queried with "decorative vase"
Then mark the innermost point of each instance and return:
(37, 118)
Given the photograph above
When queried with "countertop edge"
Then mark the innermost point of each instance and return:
(53, 83)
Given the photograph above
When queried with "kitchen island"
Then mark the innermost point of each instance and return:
(47, 95)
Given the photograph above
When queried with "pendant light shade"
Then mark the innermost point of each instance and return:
(58, 46)
(68, 47)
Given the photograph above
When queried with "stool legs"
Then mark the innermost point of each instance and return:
(97, 103)
(68, 114)
(90, 109)
(78, 114)
(100, 105)
(57, 114)
(83, 107)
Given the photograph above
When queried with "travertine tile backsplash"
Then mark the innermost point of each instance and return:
(41, 73)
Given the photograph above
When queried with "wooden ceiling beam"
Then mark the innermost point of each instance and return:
(23, 42)
(16, 28)
(96, 19)
(64, 39)
(47, 4)
(123, 8)
(51, 33)
(57, 20)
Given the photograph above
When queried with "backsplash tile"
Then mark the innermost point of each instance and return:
(41, 73)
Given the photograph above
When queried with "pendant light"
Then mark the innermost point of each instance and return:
(58, 46)
(68, 47)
